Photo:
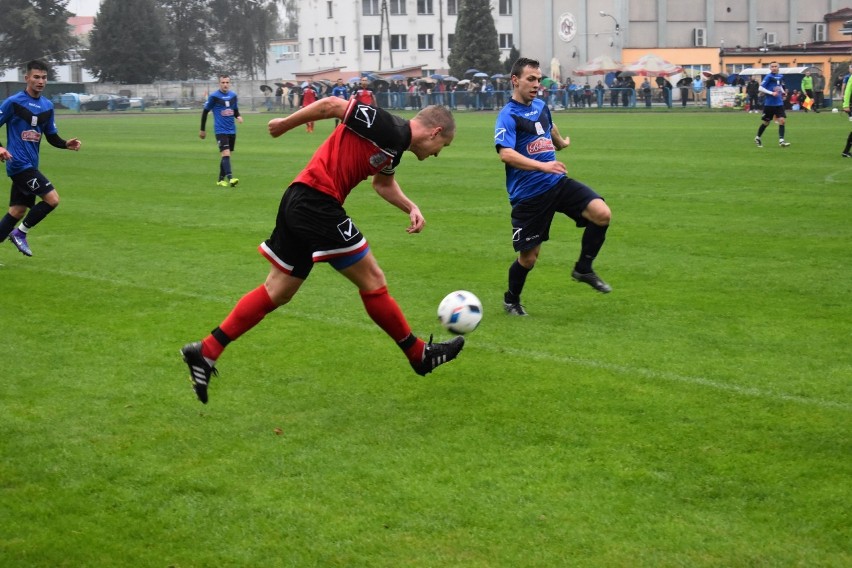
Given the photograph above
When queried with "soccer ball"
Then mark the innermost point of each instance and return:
(460, 312)
(834, 110)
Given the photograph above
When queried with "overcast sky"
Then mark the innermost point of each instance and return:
(84, 7)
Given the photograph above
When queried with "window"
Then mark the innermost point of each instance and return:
(399, 42)
(506, 41)
(450, 40)
(311, 46)
(424, 7)
(372, 42)
(505, 7)
(370, 7)
(397, 7)
(342, 44)
(331, 45)
(329, 11)
(425, 42)
(322, 45)
(452, 7)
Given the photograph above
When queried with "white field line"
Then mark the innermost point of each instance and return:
(644, 373)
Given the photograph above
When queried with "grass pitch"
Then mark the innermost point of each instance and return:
(699, 415)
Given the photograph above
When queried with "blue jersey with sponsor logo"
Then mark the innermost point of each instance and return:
(26, 119)
(770, 83)
(526, 129)
(224, 107)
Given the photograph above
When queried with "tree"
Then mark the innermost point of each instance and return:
(475, 43)
(192, 34)
(34, 29)
(291, 15)
(129, 43)
(246, 28)
(513, 56)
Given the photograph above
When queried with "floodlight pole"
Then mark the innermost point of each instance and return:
(385, 25)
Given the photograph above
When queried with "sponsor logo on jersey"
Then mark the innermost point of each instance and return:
(366, 114)
(228, 112)
(378, 159)
(540, 145)
(31, 136)
(499, 134)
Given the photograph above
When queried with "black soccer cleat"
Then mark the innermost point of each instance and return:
(436, 354)
(514, 309)
(592, 280)
(199, 369)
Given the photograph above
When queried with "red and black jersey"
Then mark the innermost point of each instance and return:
(363, 96)
(370, 140)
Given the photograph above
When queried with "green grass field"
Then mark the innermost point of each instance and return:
(699, 415)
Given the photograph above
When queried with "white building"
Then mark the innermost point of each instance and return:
(384, 36)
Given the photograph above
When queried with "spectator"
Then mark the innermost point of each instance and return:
(646, 92)
(698, 89)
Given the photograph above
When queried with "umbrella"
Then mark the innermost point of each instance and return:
(463, 82)
(397, 77)
(378, 84)
(353, 80)
(600, 65)
(471, 71)
(429, 80)
(498, 76)
(450, 79)
(685, 82)
(285, 84)
(437, 76)
(480, 75)
(304, 84)
(265, 89)
(651, 65)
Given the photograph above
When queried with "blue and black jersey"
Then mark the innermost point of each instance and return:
(770, 82)
(225, 110)
(526, 129)
(27, 119)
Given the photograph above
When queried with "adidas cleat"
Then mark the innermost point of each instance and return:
(200, 370)
(435, 354)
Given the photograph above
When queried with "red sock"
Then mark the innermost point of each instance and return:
(384, 310)
(248, 312)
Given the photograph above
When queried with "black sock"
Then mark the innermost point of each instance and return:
(593, 239)
(517, 279)
(39, 211)
(781, 131)
(7, 223)
(845, 151)
(226, 167)
(761, 129)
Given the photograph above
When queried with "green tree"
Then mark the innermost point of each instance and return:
(192, 34)
(291, 14)
(130, 42)
(34, 29)
(244, 31)
(513, 56)
(475, 43)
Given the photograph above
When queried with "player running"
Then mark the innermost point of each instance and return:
(28, 116)
(312, 226)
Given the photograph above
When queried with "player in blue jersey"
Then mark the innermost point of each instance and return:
(773, 104)
(223, 104)
(526, 140)
(28, 116)
(340, 91)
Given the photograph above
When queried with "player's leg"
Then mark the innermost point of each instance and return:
(588, 210)
(26, 186)
(782, 122)
(531, 221)
(382, 308)
(846, 154)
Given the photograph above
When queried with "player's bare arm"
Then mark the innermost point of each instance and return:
(387, 187)
(73, 144)
(516, 160)
(559, 141)
(329, 107)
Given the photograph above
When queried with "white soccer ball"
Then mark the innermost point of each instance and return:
(835, 110)
(460, 312)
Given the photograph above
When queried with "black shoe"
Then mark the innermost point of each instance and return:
(437, 354)
(846, 155)
(514, 309)
(592, 280)
(199, 369)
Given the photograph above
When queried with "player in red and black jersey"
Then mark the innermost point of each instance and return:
(312, 226)
(364, 95)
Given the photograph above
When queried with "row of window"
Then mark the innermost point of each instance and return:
(398, 42)
(424, 7)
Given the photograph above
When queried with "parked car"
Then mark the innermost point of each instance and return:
(106, 102)
(70, 100)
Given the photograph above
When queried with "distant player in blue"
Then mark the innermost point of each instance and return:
(526, 140)
(773, 104)
(340, 91)
(28, 116)
(223, 104)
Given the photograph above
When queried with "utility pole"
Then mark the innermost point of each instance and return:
(385, 25)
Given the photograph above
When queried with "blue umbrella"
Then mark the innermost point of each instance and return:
(471, 71)
(450, 79)
(437, 76)
(480, 74)
(397, 77)
(498, 76)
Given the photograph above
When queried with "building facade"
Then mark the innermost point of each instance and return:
(384, 36)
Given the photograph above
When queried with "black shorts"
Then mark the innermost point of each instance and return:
(226, 142)
(312, 227)
(770, 112)
(26, 186)
(531, 218)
